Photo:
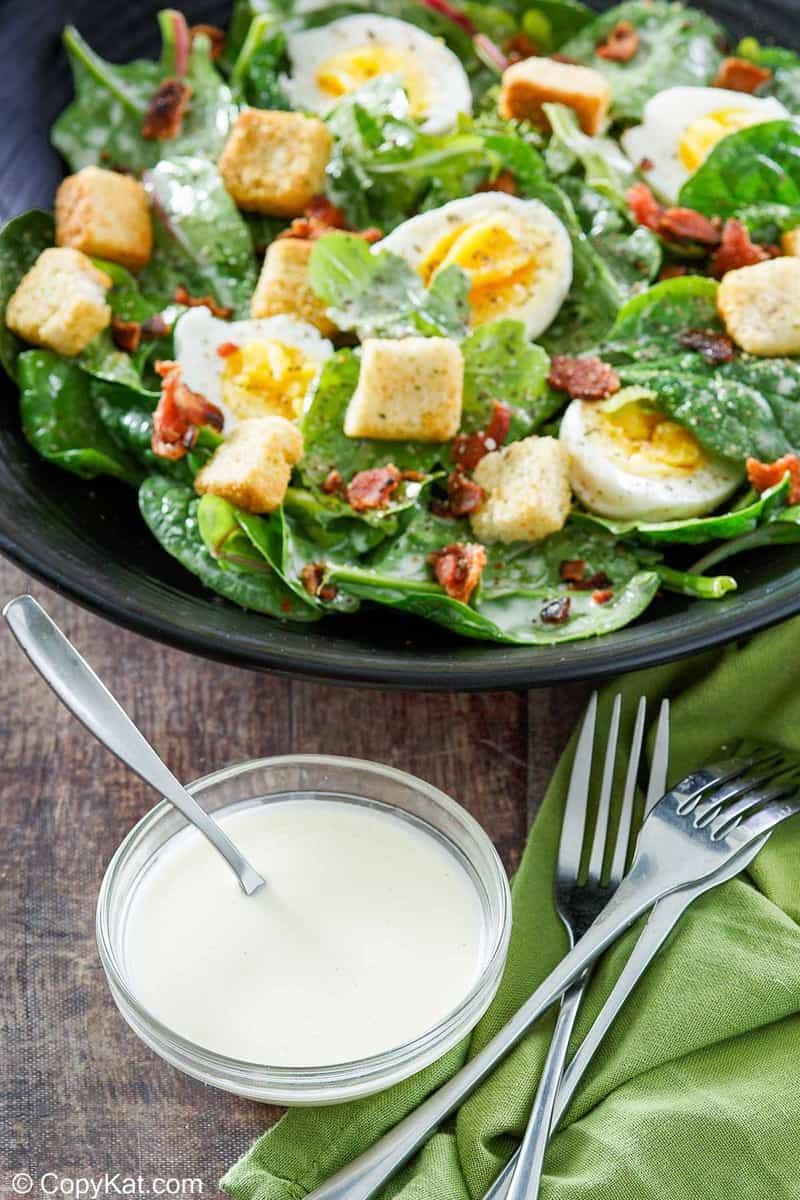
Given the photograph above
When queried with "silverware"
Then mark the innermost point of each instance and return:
(579, 901)
(673, 851)
(77, 686)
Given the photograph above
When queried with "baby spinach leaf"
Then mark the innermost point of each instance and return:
(60, 422)
(782, 530)
(549, 23)
(380, 295)
(648, 326)
(501, 364)
(677, 45)
(256, 72)
(759, 165)
(201, 239)
(329, 524)
(170, 512)
(704, 587)
(22, 239)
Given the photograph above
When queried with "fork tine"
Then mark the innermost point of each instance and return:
(709, 808)
(604, 803)
(755, 798)
(628, 795)
(573, 826)
(716, 774)
(657, 784)
(750, 827)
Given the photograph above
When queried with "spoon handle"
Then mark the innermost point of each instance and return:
(77, 686)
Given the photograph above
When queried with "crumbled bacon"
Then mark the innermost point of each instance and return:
(714, 348)
(165, 112)
(602, 595)
(504, 182)
(583, 378)
(182, 296)
(226, 349)
(572, 570)
(621, 43)
(765, 475)
(214, 34)
(458, 568)
(741, 75)
(736, 250)
(126, 335)
(556, 612)
(683, 224)
(179, 414)
(644, 207)
(321, 217)
(672, 271)
(373, 488)
(519, 46)
(155, 327)
(646, 164)
(333, 484)
(464, 496)
(469, 448)
(313, 575)
(413, 476)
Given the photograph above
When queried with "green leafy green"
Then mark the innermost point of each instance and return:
(60, 422)
(782, 530)
(501, 364)
(256, 72)
(647, 327)
(677, 45)
(704, 587)
(607, 169)
(785, 66)
(759, 165)
(551, 22)
(633, 256)
(22, 239)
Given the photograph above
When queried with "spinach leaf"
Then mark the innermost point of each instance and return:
(501, 364)
(551, 22)
(782, 530)
(170, 512)
(60, 422)
(785, 66)
(327, 524)
(378, 294)
(103, 124)
(648, 326)
(677, 45)
(704, 587)
(632, 255)
(256, 72)
(759, 165)
(22, 239)
(201, 239)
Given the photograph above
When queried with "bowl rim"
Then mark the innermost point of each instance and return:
(209, 1064)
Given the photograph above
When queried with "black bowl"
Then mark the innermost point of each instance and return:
(90, 543)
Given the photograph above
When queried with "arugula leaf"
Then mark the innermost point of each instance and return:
(22, 239)
(501, 364)
(759, 165)
(378, 294)
(677, 45)
(201, 238)
(60, 422)
(608, 170)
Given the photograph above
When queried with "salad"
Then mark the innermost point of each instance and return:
(489, 312)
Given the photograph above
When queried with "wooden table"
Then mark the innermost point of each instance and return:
(80, 1094)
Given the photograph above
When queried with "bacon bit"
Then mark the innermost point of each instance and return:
(520, 46)
(464, 496)
(214, 34)
(736, 250)
(741, 75)
(320, 217)
(765, 475)
(644, 207)
(621, 44)
(166, 110)
(646, 164)
(179, 413)
(572, 570)
(713, 348)
(598, 580)
(602, 595)
(682, 223)
(504, 182)
(286, 605)
(469, 448)
(155, 327)
(458, 568)
(413, 476)
(556, 612)
(313, 575)
(672, 271)
(226, 349)
(126, 335)
(333, 484)
(372, 489)
(583, 378)
(182, 296)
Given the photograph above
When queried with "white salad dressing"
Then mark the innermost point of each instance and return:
(368, 932)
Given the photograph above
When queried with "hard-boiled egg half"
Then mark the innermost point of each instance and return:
(682, 125)
(517, 254)
(258, 368)
(333, 60)
(630, 462)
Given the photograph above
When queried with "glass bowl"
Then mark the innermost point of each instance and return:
(352, 781)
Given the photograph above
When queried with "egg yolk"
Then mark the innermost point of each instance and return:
(499, 264)
(343, 73)
(700, 138)
(654, 439)
(261, 379)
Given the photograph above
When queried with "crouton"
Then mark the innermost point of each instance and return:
(529, 84)
(105, 214)
(527, 491)
(790, 242)
(61, 302)
(274, 162)
(283, 285)
(760, 306)
(253, 465)
(407, 388)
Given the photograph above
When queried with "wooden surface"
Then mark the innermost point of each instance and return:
(80, 1094)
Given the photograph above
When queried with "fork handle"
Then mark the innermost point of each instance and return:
(362, 1178)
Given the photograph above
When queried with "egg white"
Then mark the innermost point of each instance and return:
(608, 479)
(535, 304)
(199, 334)
(668, 115)
(446, 80)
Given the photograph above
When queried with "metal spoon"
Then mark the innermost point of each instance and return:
(77, 686)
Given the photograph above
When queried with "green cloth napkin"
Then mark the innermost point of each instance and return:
(695, 1094)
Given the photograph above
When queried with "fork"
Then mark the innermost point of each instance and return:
(579, 901)
(673, 851)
